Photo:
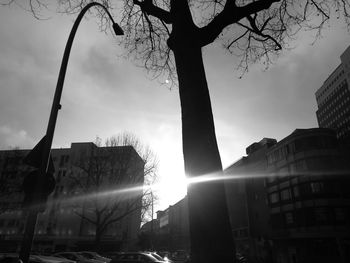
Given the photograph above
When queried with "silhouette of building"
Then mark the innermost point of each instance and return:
(172, 230)
(291, 201)
(333, 99)
(309, 198)
(66, 222)
(246, 200)
(288, 201)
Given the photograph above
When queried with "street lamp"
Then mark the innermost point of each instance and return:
(45, 154)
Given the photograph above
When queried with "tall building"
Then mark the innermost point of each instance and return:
(333, 99)
(88, 180)
(309, 198)
(291, 201)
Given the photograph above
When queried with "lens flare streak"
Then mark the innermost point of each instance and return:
(139, 190)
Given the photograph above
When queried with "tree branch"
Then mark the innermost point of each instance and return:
(86, 218)
(320, 9)
(256, 6)
(149, 8)
(237, 39)
(259, 32)
(229, 15)
(118, 218)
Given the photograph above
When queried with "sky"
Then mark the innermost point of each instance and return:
(105, 94)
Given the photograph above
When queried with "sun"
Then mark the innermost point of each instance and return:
(172, 186)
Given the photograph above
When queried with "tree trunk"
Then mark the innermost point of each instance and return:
(98, 234)
(98, 240)
(210, 230)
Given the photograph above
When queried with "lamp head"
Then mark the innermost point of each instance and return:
(117, 29)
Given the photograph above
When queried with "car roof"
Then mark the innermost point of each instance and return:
(66, 253)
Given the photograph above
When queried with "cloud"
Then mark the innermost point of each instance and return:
(11, 137)
(100, 65)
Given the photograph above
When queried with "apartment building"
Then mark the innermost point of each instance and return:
(333, 99)
(246, 199)
(309, 198)
(88, 178)
(289, 201)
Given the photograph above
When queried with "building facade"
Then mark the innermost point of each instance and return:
(288, 201)
(171, 228)
(309, 198)
(291, 201)
(333, 99)
(246, 199)
(88, 178)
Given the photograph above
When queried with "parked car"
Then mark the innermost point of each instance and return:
(164, 254)
(240, 258)
(160, 258)
(14, 258)
(95, 255)
(9, 258)
(180, 256)
(112, 255)
(50, 259)
(136, 257)
(76, 256)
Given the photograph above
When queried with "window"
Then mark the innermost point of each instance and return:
(285, 194)
(62, 160)
(300, 165)
(274, 198)
(289, 218)
(256, 196)
(339, 214)
(271, 178)
(316, 187)
(321, 214)
(296, 191)
(11, 223)
(59, 176)
(283, 172)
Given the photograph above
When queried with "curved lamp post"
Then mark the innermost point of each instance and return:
(56, 106)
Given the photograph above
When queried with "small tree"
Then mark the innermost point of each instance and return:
(113, 182)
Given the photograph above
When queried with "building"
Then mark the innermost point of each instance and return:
(246, 200)
(172, 230)
(88, 178)
(309, 197)
(288, 201)
(174, 227)
(333, 99)
(291, 202)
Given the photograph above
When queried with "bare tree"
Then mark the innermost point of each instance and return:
(167, 36)
(113, 181)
